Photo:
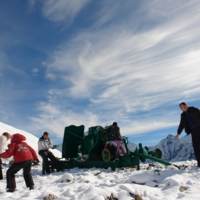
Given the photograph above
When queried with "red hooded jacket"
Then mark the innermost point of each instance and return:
(21, 151)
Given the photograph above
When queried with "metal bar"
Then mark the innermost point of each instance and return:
(57, 145)
(75, 135)
(157, 160)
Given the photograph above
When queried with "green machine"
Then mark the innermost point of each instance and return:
(87, 151)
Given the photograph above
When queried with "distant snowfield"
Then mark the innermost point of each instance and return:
(156, 183)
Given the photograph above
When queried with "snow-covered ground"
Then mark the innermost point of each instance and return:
(154, 183)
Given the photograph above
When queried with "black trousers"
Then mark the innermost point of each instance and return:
(112, 150)
(196, 143)
(45, 154)
(14, 168)
(1, 173)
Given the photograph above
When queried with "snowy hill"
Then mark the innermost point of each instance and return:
(153, 182)
(174, 150)
(30, 139)
(132, 146)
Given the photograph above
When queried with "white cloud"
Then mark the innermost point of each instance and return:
(136, 128)
(123, 71)
(56, 118)
(35, 71)
(59, 10)
(125, 67)
(3, 62)
(31, 4)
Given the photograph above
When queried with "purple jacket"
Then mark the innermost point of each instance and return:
(119, 145)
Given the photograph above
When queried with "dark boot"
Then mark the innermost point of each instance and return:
(1, 174)
(32, 188)
(11, 189)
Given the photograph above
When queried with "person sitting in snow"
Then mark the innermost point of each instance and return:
(23, 155)
(44, 144)
(3, 139)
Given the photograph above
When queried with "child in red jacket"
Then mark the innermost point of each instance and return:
(23, 155)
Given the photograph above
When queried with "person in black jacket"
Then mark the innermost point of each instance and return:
(115, 132)
(190, 121)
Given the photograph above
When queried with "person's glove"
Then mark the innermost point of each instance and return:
(36, 162)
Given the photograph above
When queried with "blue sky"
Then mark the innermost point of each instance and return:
(66, 62)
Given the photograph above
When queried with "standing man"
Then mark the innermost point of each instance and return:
(190, 121)
(3, 139)
(44, 144)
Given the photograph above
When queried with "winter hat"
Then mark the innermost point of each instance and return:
(17, 138)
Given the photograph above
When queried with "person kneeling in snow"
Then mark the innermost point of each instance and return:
(23, 155)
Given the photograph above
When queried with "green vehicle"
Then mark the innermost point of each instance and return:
(90, 151)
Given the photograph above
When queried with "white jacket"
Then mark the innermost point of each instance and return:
(44, 144)
(3, 140)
